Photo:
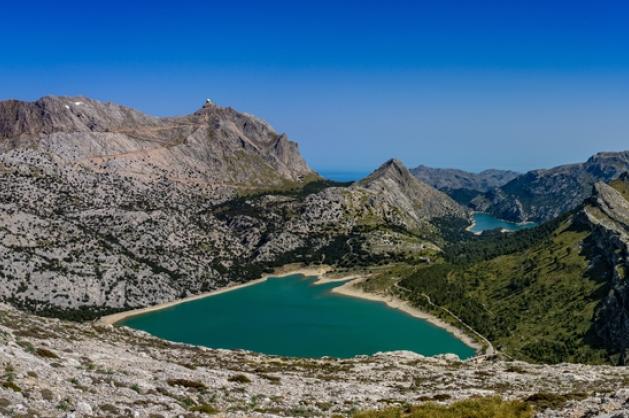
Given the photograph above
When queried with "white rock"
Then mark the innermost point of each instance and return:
(84, 408)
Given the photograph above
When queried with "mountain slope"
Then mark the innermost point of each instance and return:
(541, 195)
(393, 180)
(554, 293)
(103, 208)
(213, 145)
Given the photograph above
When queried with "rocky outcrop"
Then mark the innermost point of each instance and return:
(608, 214)
(394, 183)
(59, 369)
(449, 179)
(541, 195)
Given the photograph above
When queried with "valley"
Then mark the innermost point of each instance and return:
(105, 210)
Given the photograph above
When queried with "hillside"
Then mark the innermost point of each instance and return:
(57, 368)
(541, 195)
(555, 293)
(103, 208)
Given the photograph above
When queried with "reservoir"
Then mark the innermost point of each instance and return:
(486, 222)
(292, 316)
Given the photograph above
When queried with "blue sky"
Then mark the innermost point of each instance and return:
(467, 84)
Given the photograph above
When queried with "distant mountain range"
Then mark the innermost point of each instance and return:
(537, 195)
(451, 179)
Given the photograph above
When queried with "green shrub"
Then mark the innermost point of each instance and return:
(470, 408)
(46, 353)
(239, 378)
(191, 384)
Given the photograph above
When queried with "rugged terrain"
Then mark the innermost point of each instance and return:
(541, 195)
(463, 185)
(55, 368)
(550, 294)
(105, 208)
(214, 145)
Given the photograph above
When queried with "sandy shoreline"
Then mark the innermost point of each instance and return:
(120, 316)
(347, 289)
(350, 289)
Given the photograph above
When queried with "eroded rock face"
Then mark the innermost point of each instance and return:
(52, 367)
(608, 213)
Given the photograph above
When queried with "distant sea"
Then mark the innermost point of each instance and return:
(338, 175)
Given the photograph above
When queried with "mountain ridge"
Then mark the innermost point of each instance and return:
(540, 195)
(450, 179)
(209, 145)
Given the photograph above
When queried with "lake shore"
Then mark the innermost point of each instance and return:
(350, 289)
(281, 272)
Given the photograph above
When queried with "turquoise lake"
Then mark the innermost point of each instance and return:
(292, 316)
(485, 222)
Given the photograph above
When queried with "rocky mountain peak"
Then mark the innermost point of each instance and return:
(392, 169)
(394, 183)
(214, 145)
(607, 165)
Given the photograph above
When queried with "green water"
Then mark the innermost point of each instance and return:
(291, 316)
(485, 222)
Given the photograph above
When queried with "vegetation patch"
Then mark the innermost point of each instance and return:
(190, 384)
(239, 378)
(545, 400)
(205, 408)
(470, 408)
(46, 353)
(532, 293)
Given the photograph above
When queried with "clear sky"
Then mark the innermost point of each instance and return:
(466, 84)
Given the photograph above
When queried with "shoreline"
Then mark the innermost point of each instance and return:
(503, 230)
(349, 289)
(281, 272)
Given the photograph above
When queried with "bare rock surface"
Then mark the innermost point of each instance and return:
(105, 208)
(56, 368)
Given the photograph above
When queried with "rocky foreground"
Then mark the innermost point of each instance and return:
(54, 368)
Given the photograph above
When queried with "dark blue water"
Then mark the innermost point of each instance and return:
(292, 316)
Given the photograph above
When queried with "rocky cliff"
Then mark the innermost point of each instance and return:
(608, 214)
(541, 195)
